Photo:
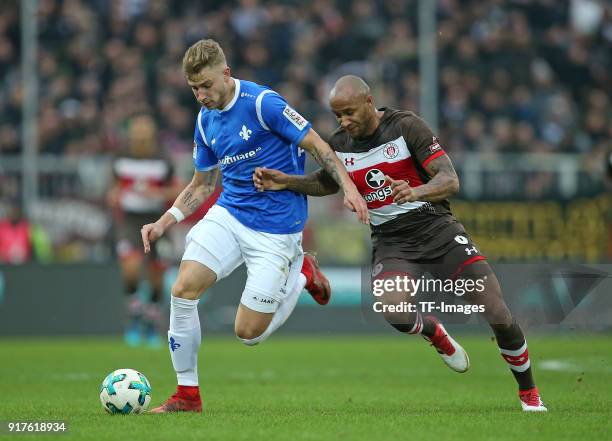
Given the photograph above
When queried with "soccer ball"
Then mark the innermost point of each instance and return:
(125, 391)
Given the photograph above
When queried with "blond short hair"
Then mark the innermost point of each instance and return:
(204, 53)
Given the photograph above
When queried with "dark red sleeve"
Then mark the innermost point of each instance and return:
(422, 142)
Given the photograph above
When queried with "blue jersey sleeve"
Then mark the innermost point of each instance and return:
(204, 158)
(282, 119)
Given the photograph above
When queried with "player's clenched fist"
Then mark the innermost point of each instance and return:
(267, 179)
(150, 233)
(401, 192)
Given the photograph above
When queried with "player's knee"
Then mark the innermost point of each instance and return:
(184, 290)
(393, 318)
(248, 334)
(403, 322)
(405, 328)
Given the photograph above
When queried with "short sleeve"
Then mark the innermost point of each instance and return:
(204, 158)
(279, 117)
(421, 140)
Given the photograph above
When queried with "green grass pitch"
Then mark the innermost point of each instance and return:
(318, 388)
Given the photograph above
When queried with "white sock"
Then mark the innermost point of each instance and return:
(282, 313)
(184, 339)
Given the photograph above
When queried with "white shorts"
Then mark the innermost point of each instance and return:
(274, 261)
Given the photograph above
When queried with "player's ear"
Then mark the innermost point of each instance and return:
(227, 72)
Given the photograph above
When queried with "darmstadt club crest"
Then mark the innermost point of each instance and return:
(390, 150)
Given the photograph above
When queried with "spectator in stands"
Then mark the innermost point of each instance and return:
(537, 72)
(20, 240)
(144, 184)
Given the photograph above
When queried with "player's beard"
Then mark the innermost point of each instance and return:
(357, 132)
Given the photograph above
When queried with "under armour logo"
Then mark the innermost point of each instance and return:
(349, 161)
(469, 251)
(213, 141)
(173, 344)
(245, 133)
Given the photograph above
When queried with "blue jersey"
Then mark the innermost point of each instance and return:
(256, 129)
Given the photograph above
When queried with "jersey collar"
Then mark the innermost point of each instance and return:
(235, 98)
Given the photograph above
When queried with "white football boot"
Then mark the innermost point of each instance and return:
(451, 352)
(531, 401)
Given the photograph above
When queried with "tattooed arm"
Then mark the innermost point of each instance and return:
(329, 161)
(202, 185)
(443, 184)
(318, 183)
(197, 191)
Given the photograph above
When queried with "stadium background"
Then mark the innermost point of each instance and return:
(521, 99)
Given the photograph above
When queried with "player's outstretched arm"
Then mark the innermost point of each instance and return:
(444, 183)
(318, 183)
(202, 185)
(327, 159)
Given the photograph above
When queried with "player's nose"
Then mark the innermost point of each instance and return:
(199, 93)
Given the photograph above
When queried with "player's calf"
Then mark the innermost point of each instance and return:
(513, 349)
(510, 339)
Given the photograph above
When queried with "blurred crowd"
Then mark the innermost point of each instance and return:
(515, 75)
